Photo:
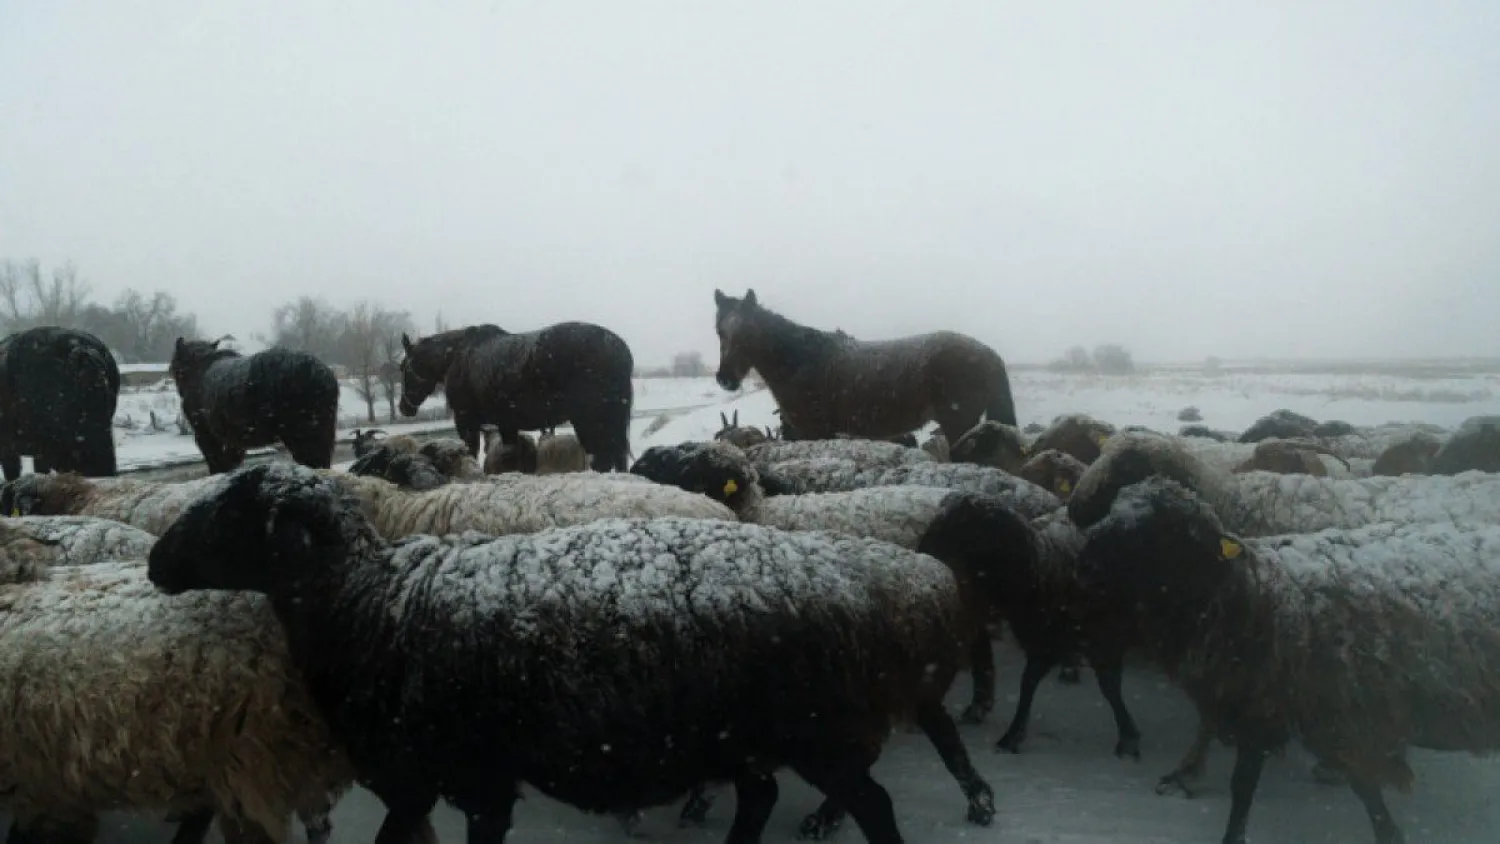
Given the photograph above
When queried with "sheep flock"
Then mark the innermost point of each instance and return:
(428, 624)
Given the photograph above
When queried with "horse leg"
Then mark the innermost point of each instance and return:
(42, 464)
(312, 446)
(467, 424)
(11, 463)
(954, 422)
(603, 429)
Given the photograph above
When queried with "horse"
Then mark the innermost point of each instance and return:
(58, 391)
(235, 403)
(829, 383)
(570, 372)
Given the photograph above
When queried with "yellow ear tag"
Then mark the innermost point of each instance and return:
(730, 487)
(15, 512)
(1064, 487)
(1229, 549)
(1101, 439)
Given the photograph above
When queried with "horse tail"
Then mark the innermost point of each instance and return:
(1000, 406)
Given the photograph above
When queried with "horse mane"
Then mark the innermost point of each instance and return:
(800, 342)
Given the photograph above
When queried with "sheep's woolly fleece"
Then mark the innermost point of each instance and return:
(148, 505)
(1265, 503)
(1381, 637)
(868, 453)
(31, 545)
(833, 475)
(895, 514)
(121, 698)
(513, 503)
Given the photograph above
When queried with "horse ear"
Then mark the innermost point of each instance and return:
(405, 342)
(749, 299)
(181, 341)
(719, 298)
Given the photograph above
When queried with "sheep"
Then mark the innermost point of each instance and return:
(1077, 434)
(1359, 643)
(1410, 456)
(990, 443)
(1022, 571)
(1280, 424)
(123, 698)
(31, 545)
(560, 454)
(1288, 457)
(1264, 503)
(1475, 446)
(1053, 470)
(1205, 432)
(731, 432)
(407, 469)
(519, 456)
(833, 475)
(363, 441)
(452, 458)
(864, 452)
(148, 505)
(937, 446)
(615, 636)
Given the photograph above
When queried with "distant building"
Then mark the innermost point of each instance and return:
(142, 374)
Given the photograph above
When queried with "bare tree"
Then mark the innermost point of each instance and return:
(370, 334)
(309, 325)
(29, 299)
(689, 365)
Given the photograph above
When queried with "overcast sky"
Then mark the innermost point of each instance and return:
(1271, 178)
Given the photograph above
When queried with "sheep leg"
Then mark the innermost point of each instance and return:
(1386, 830)
(1191, 766)
(1036, 670)
(695, 810)
(755, 797)
(943, 733)
(982, 673)
(1070, 672)
(1249, 761)
(852, 787)
(1109, 670)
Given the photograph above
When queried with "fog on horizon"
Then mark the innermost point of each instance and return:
(1275, 179)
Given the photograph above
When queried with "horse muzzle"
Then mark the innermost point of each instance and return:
(406, 408)
(728, 382)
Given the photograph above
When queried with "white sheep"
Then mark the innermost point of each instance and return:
(148, 505)
(1359, 643)
(577, 648)
(31, 545)
(863, 452)
(560, 454)
(121, 698)
(834, 475)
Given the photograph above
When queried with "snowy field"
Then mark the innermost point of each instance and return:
(1066, 787)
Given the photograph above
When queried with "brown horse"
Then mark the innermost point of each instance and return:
(829, 383)
(571, 372)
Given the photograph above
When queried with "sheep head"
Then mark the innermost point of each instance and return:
(716, 469)
(262, 525)
(1162, 545)
(52, 494)
(990, 443)
(1128, 459)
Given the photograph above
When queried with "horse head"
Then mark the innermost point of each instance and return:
(733, 322)
(423, 368)
(191, 357)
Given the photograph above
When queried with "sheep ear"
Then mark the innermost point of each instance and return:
(1229, 548)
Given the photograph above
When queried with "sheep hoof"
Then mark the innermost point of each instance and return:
(1069, 676)
(815, 827)
(974, 714)
(1129, 746)
(982, 809)
(1174, 782)
(1009, 743)
(1327, 774)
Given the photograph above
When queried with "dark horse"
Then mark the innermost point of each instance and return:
(235, 403)
(571, 372)
(58, 391)
(828, 383)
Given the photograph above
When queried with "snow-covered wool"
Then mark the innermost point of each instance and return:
(1359, 643)
(120, 698)
(559, 454)
(451, 457)
(1077, 434)
(514, 503)
(1053, 470)
(148, 505)
(833, 475)
(991, 443)
(1264, 503)
(1369, 443)
(1031, 577)
(870, 453)
(31, 545)
(612, 665)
